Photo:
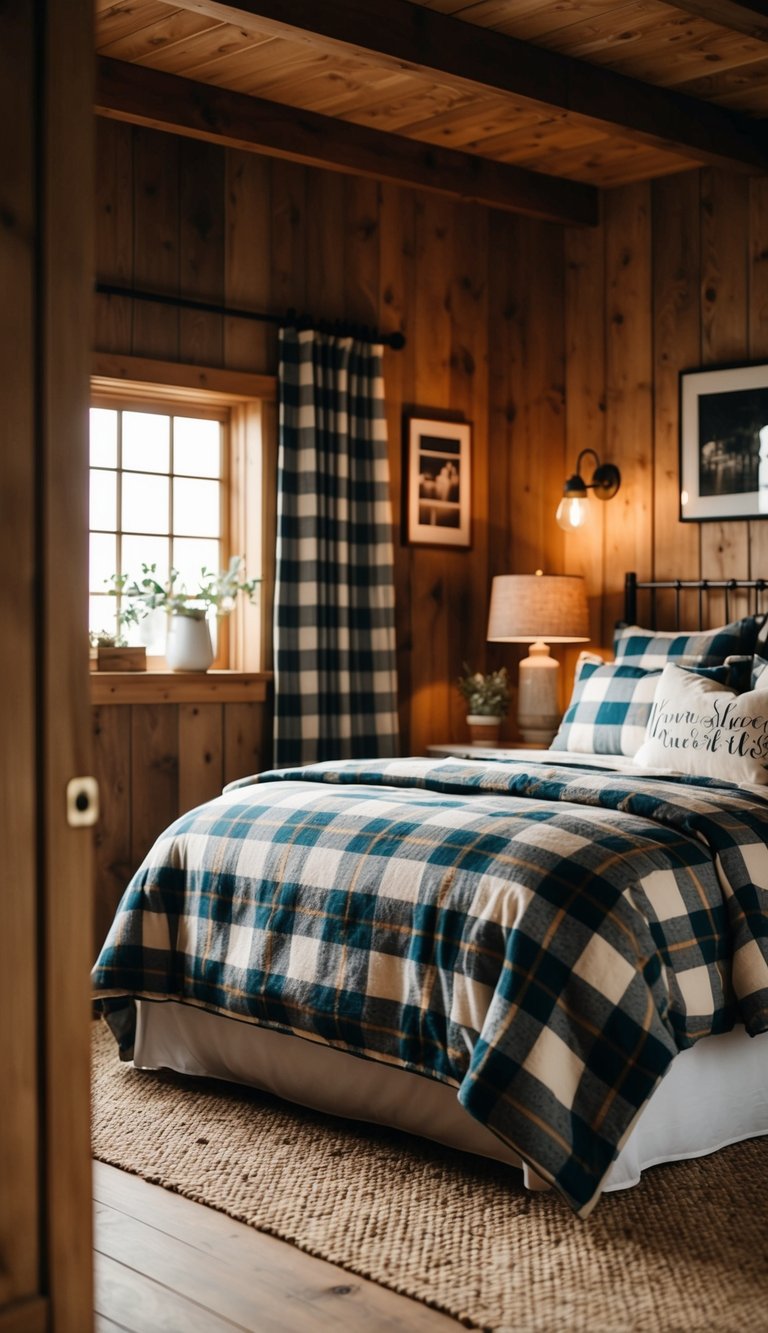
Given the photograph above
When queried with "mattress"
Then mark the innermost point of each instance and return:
(715, 1093)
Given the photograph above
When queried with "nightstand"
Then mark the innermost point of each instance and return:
(470, 751)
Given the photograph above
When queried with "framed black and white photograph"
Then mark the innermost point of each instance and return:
(439, 482)
(724, 443)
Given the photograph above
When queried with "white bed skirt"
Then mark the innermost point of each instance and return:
(714, 1094)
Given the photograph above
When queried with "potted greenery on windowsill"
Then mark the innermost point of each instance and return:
(487, 696)
(188, 645)
(114, 654)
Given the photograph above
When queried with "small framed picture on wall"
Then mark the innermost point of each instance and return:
(724, 443)
(439, 485)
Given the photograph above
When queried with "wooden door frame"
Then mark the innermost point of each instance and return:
(45, 330)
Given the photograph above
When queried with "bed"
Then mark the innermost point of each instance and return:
(558, 960)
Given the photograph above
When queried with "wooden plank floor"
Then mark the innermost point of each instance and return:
(166, 1265)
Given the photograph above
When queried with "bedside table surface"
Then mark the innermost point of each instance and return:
(520, 750)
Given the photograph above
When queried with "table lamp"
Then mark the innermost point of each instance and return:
(532, 608)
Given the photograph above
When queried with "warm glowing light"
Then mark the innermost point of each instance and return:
(683, 497)
(572, 512)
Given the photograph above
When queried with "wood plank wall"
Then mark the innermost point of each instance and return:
(548, 340)
(478, 294)
(676, 277)
(154, 761)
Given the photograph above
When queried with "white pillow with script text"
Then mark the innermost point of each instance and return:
(702, 728)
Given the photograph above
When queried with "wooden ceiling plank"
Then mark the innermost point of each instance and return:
(742, 15)
(670, 58)
(123, 19)
(746, 87)
(161, 38)
(409, 35)
(180, 106)
(233, 58)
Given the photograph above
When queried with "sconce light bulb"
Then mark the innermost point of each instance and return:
(572, 512)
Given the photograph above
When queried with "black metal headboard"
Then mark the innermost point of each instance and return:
(755, 588)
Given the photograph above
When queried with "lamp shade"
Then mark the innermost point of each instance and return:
(526, 607)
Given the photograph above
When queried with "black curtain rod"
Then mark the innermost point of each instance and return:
(290, 319)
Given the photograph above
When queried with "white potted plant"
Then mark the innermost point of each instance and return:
(188, 644)
(487, 696)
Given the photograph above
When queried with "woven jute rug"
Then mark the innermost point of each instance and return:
(685, 1250)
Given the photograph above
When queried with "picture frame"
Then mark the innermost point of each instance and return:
(439, 482)
(724, 442)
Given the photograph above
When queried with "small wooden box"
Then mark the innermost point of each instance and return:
(121, 659)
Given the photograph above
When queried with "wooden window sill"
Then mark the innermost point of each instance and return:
(179, 687)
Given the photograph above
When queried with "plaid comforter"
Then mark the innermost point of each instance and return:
(544, 939)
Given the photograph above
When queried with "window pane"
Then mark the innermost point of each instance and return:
(146, 441)
(102, 562)
(102, 614)
(191, 554)
(103, 499)
(196, 507)
(103, 437)
(196, 447)
(145, 502)
(138, 551)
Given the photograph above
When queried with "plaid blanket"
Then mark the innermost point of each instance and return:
(544, 939)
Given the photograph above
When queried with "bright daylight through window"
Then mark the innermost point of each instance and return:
(157, 498)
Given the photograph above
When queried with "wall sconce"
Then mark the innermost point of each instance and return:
(572, 512)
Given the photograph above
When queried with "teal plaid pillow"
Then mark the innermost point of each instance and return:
(652, 651)
(610, 707)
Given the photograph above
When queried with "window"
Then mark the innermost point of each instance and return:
(158, 489)
(182, 476)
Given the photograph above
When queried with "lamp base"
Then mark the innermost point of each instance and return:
(538, 716)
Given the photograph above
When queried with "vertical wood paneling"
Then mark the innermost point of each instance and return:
(629, 427)
(248, 345)
(585, 412)
(201, 753)
(152, 763)
(156, 242)
(526, 461)
(504, 318)
(324, 237)
(112, 836)
(201, 249)
(247, 749)
(505, 382)
(154, 774)
(503, 377)
(757, 278)
(724, 232)
(113, 315)
(466, 607)
(288, 200)
(431, 568)
(677, 345)
(361, 250)
(397, 276)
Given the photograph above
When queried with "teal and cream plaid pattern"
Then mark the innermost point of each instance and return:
(610, 707)
(652, 650)
(335, 675)
(542, 939)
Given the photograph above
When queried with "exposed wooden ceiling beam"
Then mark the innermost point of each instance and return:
(200, 111)
(740, 15)
(408, 36)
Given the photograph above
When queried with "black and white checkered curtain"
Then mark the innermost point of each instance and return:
(335, 676)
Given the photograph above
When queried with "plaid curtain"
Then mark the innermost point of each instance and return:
(335, 677)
